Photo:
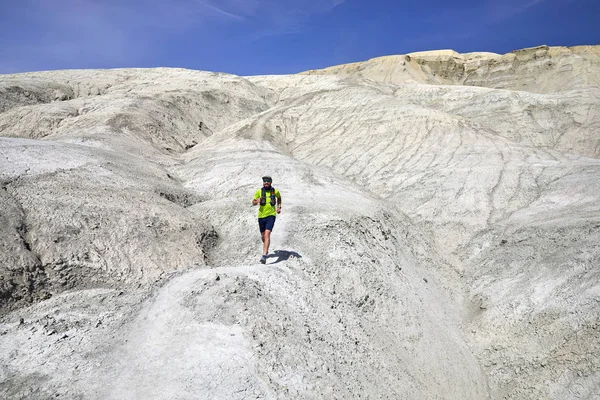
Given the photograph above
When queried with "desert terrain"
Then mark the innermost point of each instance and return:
(439, 235)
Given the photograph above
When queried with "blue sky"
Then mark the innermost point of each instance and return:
(253, 37)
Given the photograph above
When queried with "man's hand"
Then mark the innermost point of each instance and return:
(254, 202)
(278, 209)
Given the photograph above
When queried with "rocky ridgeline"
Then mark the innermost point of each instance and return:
(540, 69)
(439, 234)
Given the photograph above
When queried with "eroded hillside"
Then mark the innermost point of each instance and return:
(540, 69)
(437, 239)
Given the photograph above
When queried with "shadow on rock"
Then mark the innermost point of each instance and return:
(283, 255)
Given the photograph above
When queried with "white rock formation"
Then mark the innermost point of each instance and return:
(440, 233)
(540, 69)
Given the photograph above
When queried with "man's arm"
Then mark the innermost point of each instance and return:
(256, 197)
(279, 204)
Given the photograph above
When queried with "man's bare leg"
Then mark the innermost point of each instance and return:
(266, 239)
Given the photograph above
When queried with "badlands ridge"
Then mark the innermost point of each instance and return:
(439, 237)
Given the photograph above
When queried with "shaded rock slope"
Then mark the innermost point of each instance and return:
(440, 233)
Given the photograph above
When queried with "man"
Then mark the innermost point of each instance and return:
(267, 197)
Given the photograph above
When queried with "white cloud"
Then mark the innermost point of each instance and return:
(275, 13)
(219, 10)
(503, 9)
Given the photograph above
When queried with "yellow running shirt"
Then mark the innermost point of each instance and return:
(267, 210)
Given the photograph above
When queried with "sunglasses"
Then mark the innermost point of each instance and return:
(267, 180)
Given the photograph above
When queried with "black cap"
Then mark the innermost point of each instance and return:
(267, 179)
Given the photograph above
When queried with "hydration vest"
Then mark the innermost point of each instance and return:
(263, 196)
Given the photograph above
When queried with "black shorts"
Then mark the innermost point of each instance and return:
(267, 223)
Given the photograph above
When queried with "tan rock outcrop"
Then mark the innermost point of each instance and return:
(540, 69)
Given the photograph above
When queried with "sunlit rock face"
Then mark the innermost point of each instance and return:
(540, 69)
(439, 235)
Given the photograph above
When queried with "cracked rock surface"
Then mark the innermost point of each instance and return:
(439, 238)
